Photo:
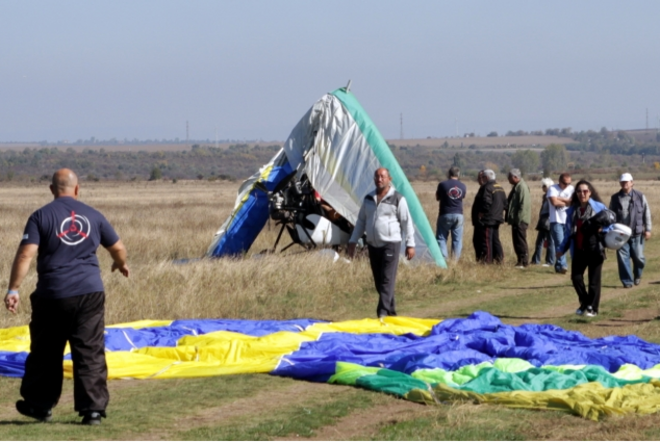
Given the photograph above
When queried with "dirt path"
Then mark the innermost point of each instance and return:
(364, 423)
(261, 404)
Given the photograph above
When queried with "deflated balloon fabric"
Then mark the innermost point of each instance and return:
(476, 358)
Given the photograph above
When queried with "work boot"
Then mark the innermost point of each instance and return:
(92, 417)
(36, 413)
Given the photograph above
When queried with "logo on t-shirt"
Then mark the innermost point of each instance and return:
(455, 193)
(74, 229)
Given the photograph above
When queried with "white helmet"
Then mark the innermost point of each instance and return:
(618, 236)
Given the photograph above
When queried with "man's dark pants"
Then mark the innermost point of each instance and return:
(384, 264)
(476, 241)
(488, 245)
(583, 260)
(78, 320)
(519, 235)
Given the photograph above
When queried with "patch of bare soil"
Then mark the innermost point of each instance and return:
(263, 403)
(364, 423)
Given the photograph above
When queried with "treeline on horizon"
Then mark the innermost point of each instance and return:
(239, 161)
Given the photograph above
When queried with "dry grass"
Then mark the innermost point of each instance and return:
(160, 222)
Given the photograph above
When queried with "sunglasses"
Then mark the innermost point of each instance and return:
(583, 191)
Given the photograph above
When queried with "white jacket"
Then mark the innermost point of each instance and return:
(384, 222)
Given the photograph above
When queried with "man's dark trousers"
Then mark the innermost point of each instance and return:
(489, 245)
(78, 320)
(519, 235)
(384, 264)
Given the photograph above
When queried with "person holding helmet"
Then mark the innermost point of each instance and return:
(582, 236)
(632, 210)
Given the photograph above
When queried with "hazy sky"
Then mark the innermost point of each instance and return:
(250, 69)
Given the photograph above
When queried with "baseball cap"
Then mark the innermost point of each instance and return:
(626, 177)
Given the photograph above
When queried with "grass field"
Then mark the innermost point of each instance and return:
(161, 221)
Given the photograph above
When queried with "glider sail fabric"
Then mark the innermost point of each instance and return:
(427, 361)
(250, 212)
(339, 148)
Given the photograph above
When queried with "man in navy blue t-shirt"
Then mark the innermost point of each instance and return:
(68, 303)
(450, 194)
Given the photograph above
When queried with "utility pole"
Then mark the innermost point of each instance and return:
(647, 118)
(401, 127)
(187, 132)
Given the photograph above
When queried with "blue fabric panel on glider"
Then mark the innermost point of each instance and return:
(125, 339)
(549, 344)
(251, 217)
(459, 342)
(12, 364)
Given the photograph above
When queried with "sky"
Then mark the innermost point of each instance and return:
(249, 70)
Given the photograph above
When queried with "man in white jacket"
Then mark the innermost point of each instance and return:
(385, 218)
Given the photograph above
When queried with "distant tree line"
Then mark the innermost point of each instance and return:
(201, 162)
(616, 142)
(239, 161)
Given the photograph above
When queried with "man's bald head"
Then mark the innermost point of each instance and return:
(65, 183)
(382, 179)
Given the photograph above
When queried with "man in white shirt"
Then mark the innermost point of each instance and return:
(559, 196)
(385, 218)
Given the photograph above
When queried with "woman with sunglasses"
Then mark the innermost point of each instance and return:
(581, 235)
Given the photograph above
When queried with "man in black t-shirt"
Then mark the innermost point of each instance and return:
(68, 303)
(450, 195)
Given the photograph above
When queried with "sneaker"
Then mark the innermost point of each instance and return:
(638, 281)
(563, 271)
(627, 286)
(36, 413)
(520, 267)
(92, 418)
(545, 265)
(590, 312)
(579, 311)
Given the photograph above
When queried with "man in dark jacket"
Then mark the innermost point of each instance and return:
(631, 209)
(476, 231)
(491, 202)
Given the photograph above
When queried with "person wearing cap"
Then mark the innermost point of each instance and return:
(543, 227)
(632, 210)
(519, 215)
